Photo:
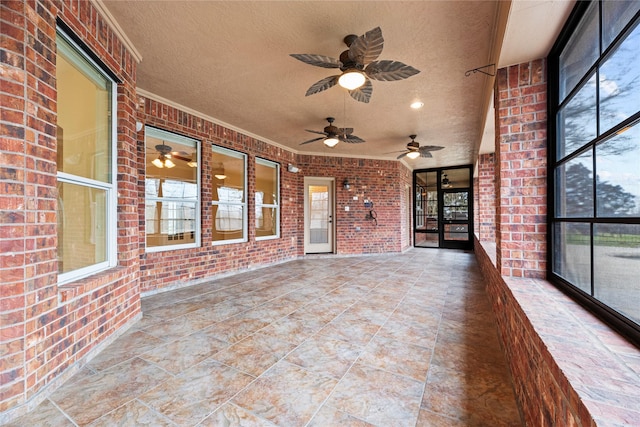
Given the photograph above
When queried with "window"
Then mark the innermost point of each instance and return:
(229, 202)
(267, 196)
(86, 164)
(172, 183)
(595, 156)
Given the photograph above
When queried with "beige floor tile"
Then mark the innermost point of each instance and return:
(255, 354)
(286, 395)
(397, 357)
(377, 396)
(392, 340)
(190, 397)
(325, 355)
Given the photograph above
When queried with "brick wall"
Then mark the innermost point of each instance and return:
(485, 212)
(521, 169)
(544, 394)
(180, 267)
(44, 328)
(381, 181)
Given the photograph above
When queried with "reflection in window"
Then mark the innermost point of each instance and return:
(580, 53)
(574, 197)
(266, 198)
(620, 83)
(171, 191)
(229, 203)
(85, 147)
(596, 179)
(616, 250)
(618, 179)
(572, 254)
(576, 124)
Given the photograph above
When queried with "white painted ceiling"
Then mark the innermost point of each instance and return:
(229, 61)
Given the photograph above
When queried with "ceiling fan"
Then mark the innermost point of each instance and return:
(358, 64)
(333, 135)
(165, 156)
(414, 150)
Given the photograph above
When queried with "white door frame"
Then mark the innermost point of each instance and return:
(327, 240)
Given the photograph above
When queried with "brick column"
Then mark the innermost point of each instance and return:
(486, 194)
(521, 169)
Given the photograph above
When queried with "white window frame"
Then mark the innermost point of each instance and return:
(178, 139)
(276, 205)
(244, 204)
(110, 187)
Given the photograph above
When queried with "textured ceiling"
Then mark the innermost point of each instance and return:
(229, 61)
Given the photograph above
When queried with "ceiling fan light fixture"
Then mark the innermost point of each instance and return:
(168, 163)
(158, 163)
(331, 141)
(413, 154)
(220, 176)
(351, 79)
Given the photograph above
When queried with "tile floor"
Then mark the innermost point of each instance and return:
(390, 340)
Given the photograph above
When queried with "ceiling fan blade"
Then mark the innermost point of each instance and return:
(351, 139)
(425, 154)
(317, 60)
(389, 70)
(402, 155)
(346, 131)
(179, 157)
(313, 140)
(315, 131)
(430, 148)
(323, 84)
(363, 93)
(367, 47)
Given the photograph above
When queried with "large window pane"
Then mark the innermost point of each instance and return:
(577, 123)
(618, 175)
(617, 267)
(266, 199)
(620, 83)
(82, 226)
(84, 116)
(171, 190)
(615, 16)
(572, 254)
(229, 202)
(574, 188)
(85, 161)
(580, 53)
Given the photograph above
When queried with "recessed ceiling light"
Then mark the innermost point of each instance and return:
(417, 105)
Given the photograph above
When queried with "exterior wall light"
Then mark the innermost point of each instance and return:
(346, 184)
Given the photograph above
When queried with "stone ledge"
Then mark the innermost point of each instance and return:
(569, 368)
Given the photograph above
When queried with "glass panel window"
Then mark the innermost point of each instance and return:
(577, 120)
(580, 53)
(229, 202)
(86, 99)
(574, 196)
(620, 82)
(267, 199)
(596, 167)
(172, 185)
(616, 260)
(618, 178)
(572, 254)
(615, 16)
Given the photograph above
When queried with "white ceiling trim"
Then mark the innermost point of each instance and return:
(119, 32)
(158, 98)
